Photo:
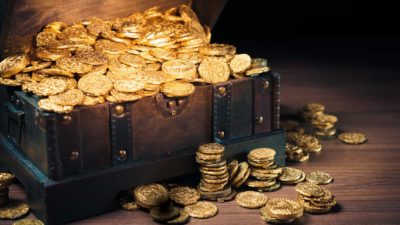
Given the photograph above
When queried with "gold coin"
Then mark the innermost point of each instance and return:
(124, 96)
(125, 85)
(179, 69)
(240, 63)
(272, 220)
(183, 218)
(184, 195)
(95, 85)
(6, 180)
(177, 89)
(251, 199)
(115, 66)
(132, 60)
(211, 148)
(89, 100)
(233, 168)
(310, 208)
(187, 13)
(216, 49)
(50, 54)
(318, 177)
(262, 154)
(46, 39)
(164, 213)
(260, 183)
(153, 77)
(151, 195)
(9, 82)
(91, 57)
(53, 71)
(352, 138)
(71, 97)
(309, 189)
(243, 170)
(258, 62)
(109, 47)
(193, 57)
(13, 210)
(50, 86)
(162, 54)
(28, 222)
(314, 107)
(202, 210)
(214, 71)
(46, 105)
(242, 180)
(290, 175)
(35, 67)
(13, 65)
(256, 70)
(283, 209)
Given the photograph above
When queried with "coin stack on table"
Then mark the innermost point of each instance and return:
(324, 125)
(314, 198)
(6, 179)
(264, 171)
(279, 211)
(310, 110)
(214, 184)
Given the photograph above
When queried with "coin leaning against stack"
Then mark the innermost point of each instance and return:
(123, 60)
(214, 183)
(264, 171)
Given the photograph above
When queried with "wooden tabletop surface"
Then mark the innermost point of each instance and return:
(357, 80)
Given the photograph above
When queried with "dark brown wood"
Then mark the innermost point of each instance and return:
(363, 91)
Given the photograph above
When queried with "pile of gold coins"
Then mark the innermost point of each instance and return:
(214, 184)
(124, 59)
(314, 199)
(264, 171)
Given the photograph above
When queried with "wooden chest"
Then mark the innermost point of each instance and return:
(84, 158)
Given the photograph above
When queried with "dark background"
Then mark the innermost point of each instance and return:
(283, 18)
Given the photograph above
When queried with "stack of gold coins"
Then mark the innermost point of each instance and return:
(314, 198)
(6, 180)
(310, 110)
(278, 210)
(214, 183)
(307, 142)
(264, 171)
(296, 154)
(324, 125)
(291, 176)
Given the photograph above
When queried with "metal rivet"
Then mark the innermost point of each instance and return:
(67, 119)
(171, 104)
(122, 154)
(173, 112)
(266, 85)
(221, 134)
(259, 120)
(221, 91)
(74, 155)
(119, 110)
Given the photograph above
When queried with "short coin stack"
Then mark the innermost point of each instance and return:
(324, 125)
(264, 171)
(214, 172)
(6, 180)
(318, 177)
(296, 154)
(314, 198)
(310, 110)
(307, 142)
(291, 176)
(278, 210)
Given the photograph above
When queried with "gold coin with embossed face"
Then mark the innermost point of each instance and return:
(318, 177)
(240, 63)
(177, 89)
(71, 97)
(184, 195)
(13, 65)
(28, 222)
(13, 210)
(283, 209)
(214, 70)
(352, 138)
(95, 85)
(179, 69)
(151, 195)
(251, 199)
(202, 210)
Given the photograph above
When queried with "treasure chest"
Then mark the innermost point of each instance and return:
(86, 156)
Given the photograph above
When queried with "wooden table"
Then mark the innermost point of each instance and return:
(357, 80)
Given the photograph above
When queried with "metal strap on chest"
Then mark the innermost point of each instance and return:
(121, 132)
(222, 94)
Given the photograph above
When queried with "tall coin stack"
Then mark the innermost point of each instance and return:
(214, 172)
(6, 180)
(324, 125)
(264, 171)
